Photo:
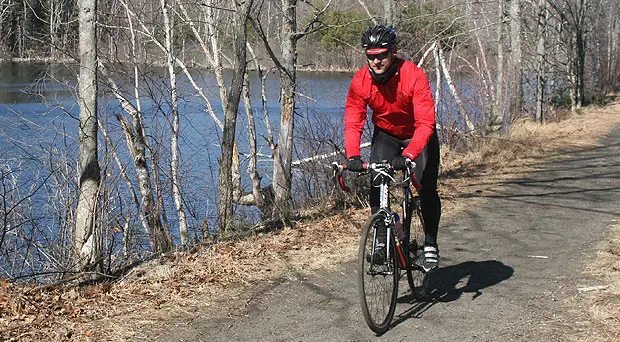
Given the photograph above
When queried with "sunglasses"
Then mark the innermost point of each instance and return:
(380, 56)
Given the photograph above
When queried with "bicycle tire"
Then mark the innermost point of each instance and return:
(417, 279)
(377, 283)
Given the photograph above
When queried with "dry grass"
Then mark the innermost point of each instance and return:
(217, 278)
(498, 156)
(602, 302)
(176, 285)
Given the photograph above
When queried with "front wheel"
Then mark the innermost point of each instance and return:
(378, 276)
(418, 280)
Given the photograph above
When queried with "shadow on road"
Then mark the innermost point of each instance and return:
(586, 175)
(571, 166)
(450, 283)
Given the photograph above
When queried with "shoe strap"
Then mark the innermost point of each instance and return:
(431, 253)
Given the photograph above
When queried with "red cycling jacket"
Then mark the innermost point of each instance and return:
(403, 107)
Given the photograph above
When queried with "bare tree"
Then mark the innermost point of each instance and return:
(287, 68)
(86, 242)
(137, 144)
(573, 15)
(497, 118)
(370, 16)
(240, 19)
(256, 197)
(283, 155)
(446, 73)
(388, 10)
(613, 49)
(174, 136)
(516, 94)
(541, 33)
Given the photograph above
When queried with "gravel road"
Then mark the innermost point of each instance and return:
(512, 264)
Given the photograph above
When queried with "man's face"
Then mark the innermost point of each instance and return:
(380, 62)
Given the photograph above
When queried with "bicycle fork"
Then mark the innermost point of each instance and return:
(389, 224)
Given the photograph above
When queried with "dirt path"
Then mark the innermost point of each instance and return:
(512, 263)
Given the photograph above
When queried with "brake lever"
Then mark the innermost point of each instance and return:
(338, 175)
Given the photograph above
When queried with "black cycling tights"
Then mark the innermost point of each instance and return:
(386, 147)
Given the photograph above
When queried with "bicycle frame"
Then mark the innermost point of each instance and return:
(378, 279)
(383, 170)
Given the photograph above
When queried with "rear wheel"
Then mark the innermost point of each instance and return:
(377, 278)
(418, 280)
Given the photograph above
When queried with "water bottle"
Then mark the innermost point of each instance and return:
(398, 227)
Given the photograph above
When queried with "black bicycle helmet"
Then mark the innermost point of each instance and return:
(379, 38)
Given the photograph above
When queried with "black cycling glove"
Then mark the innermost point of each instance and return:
(355, 163)
(399, 163)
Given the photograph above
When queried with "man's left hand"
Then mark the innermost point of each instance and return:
(399, 163)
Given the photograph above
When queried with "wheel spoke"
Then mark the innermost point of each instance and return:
(418, 281)
(378, 279)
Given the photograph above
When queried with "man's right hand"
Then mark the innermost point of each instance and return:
(355, 163)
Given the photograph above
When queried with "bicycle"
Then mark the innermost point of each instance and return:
(378, 279)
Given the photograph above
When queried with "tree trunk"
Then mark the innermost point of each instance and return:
(132, 191)
(540, 61)
(137, 144)
(263, 91)
(457, 98)
(572, 73)
(516, 96)
(437, 77)
(256, 198)
(485, 73)
(174, 135)
(496, 122)
(216, 59)
(580, 40)
(388, 10)
(236, 172)
(160, 243)
(283, 154)
(53, 22)
(86, 244)
(286, 65)
(612, 53)
(225, 218)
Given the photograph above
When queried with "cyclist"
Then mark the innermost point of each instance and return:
(403, 115)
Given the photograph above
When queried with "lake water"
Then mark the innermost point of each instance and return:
(39, 116)
(39, 149)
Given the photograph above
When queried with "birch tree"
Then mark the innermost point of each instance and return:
(446, 73)
(174, 136)
(256, 196)
(137, 144)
